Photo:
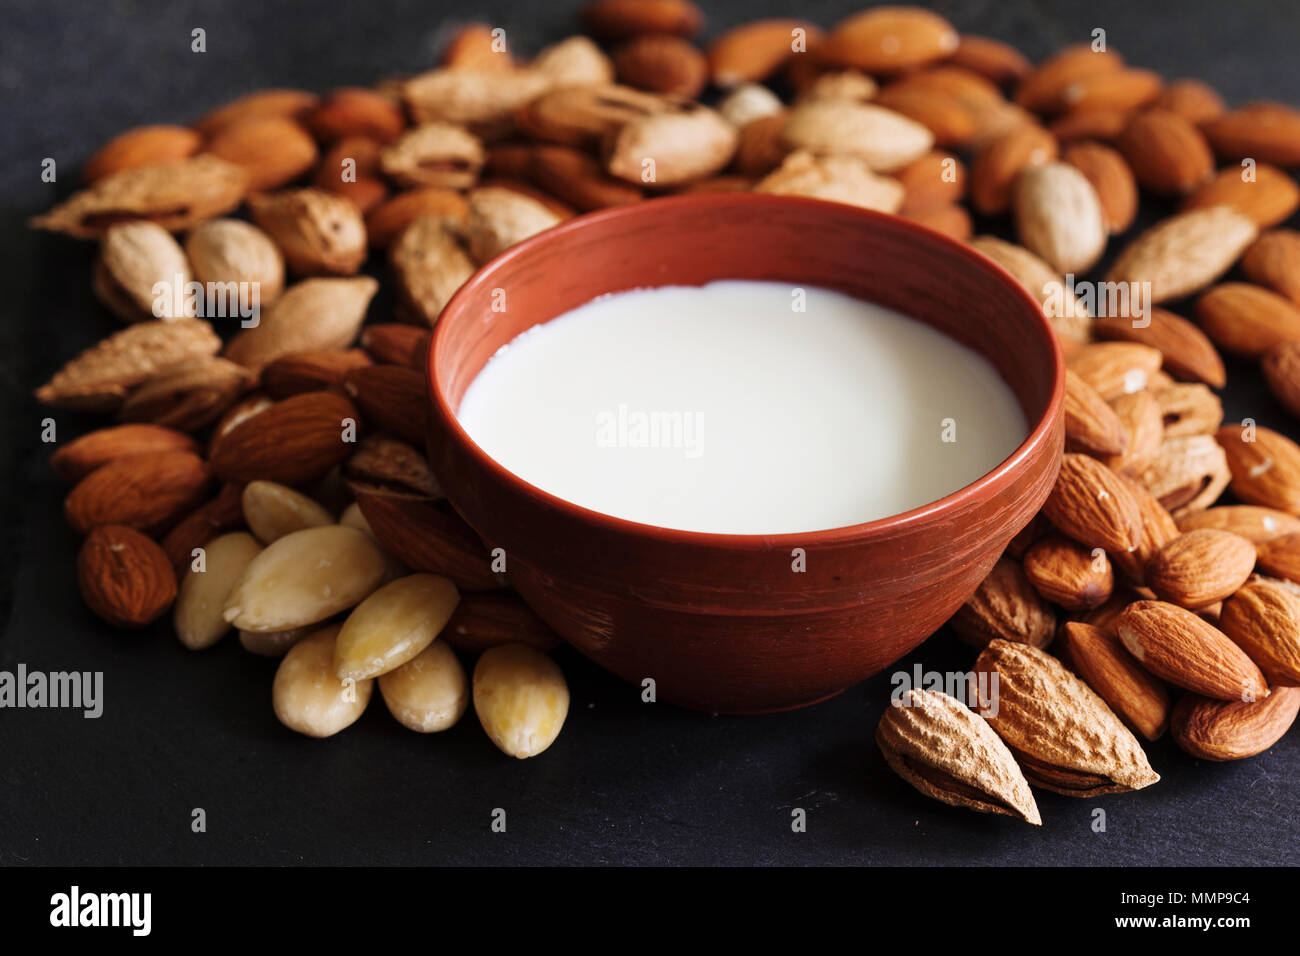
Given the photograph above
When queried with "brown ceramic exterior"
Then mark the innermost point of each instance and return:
(720, 621)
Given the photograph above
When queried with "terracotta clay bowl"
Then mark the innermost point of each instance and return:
(720, 621)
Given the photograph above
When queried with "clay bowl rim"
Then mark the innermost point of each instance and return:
(1040, 434)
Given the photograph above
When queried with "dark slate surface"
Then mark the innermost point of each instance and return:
(626, 782)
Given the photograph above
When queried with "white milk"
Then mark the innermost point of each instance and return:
(736, 407)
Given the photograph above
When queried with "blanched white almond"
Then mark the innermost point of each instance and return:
(353, 518)
(306, 577)
(306, 695)
(521, 698)
(274, 643)
(198, 615)
(429, 692)
(273, 510)
(393, 625)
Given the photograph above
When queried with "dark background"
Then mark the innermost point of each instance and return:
(626, 782)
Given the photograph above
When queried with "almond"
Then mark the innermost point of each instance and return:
(1280, 555)
(575, 61)
(1072, 322)
(383, 464)
(1092, 505)
(950, 753)
(429, 265)
(1185, 350)
(1111, 177)
(351, 169)
(436, 154)
(1282, 372)
(233, 251)
(174, 195)
(1185, 253)
(936, 179)
(1247, 320)
(586, 116)
(476, 46)
(306, 696)
(147, 491)
(1265, 466)
(950, 123)
(1091, 426)
(312, 371)
(1188, 473)
(493, 618)
(884, 139)
(1043, 88)
(318, 232)
(312, 314)
(281, 103)
(482, 100)
(203, 594)
(293, 442)
(747, 102)
(950, 219)
(1115, 368)
(848, 86)
(429, 692)
(1265, 132)
(1169, 156)
(273, 151)
(1122, 90)
(1142, 427)
(273, 510)
(353, 111)
(187, 396)
(1158, 529)
(1193, 100)
(760, 147)
(1200, 567)
(1137, 698)
(305, 577)
(844, 179)
(576, 178)
(80, 457)
(620, 19)
(1069, 574)
(662, 63)
(392, 398)
(889, 40)
(124, 577)
(222, 514)
(1263, 619)
(389, 220)
(1006, 606)
(1232, 730)
(393, 625)
(1062, 734)
(1250, 521)
(390, 343)
(1100, 123)
(998, 164)
(1185, 650)
(141, 146)
(1273, 260)
(428, 539)
(500, 218)
(672, 147)
(754, 51)
(996, 61)
(1059, 216)
(520, 698)
(1268, 197)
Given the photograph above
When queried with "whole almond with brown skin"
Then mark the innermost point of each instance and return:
(996, 61)
(476, 47)
(174, 195)
(1188, 473)
(1281, 368)
(1186, 352)
(888, 40)
(283, 103)
(231, 250)
(124, 577)
(1071, 322)
(1265, 132)
(149, 492)
(426, 538)
(754, 51)
(1092, 505)
(312, 371)
(1269, 197)
(1233, 730)
(292, 442)
(1177, 645)
(1042, 89)
(1158, 529)
(1138, 414)
(1263, 619)
(78, 458)
(493, 618)
(222, 514)
(1200, 567)
(1111, 177)
(272, 150)
(392, 398)
(949, 753)
(661, 63)
(620, 19)
(760, 147)
(1061, 732)
(312, 314)
(1059, 216)
(99, 378)
(188, 396)
(1193, 100)
(1185, 253)
(1123, 90)
(390, 219)
(1006, 606)
(1098, 656)
(1068, 573)
(936, 179)
(1273, 260)
(1250, 521)
(354, 111)
(1115, 368)
(1091, 426)
(391, 343)
(950, 219)
(576, 178)
(351, 169)
(998, 164)
(1101, 124)
(141, 146)
(1280, 556)
(381, 463)
(1247, 320)
(1169, 156)
(1265, 466)
(318, 232)
(949, 122)
(586, 116)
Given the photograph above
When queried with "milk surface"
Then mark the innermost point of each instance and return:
(742, 407)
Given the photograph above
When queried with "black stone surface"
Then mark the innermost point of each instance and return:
(626, 782)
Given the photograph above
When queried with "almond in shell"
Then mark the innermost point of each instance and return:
(1185, 253)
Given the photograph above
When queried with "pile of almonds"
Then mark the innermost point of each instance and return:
(275, 482)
